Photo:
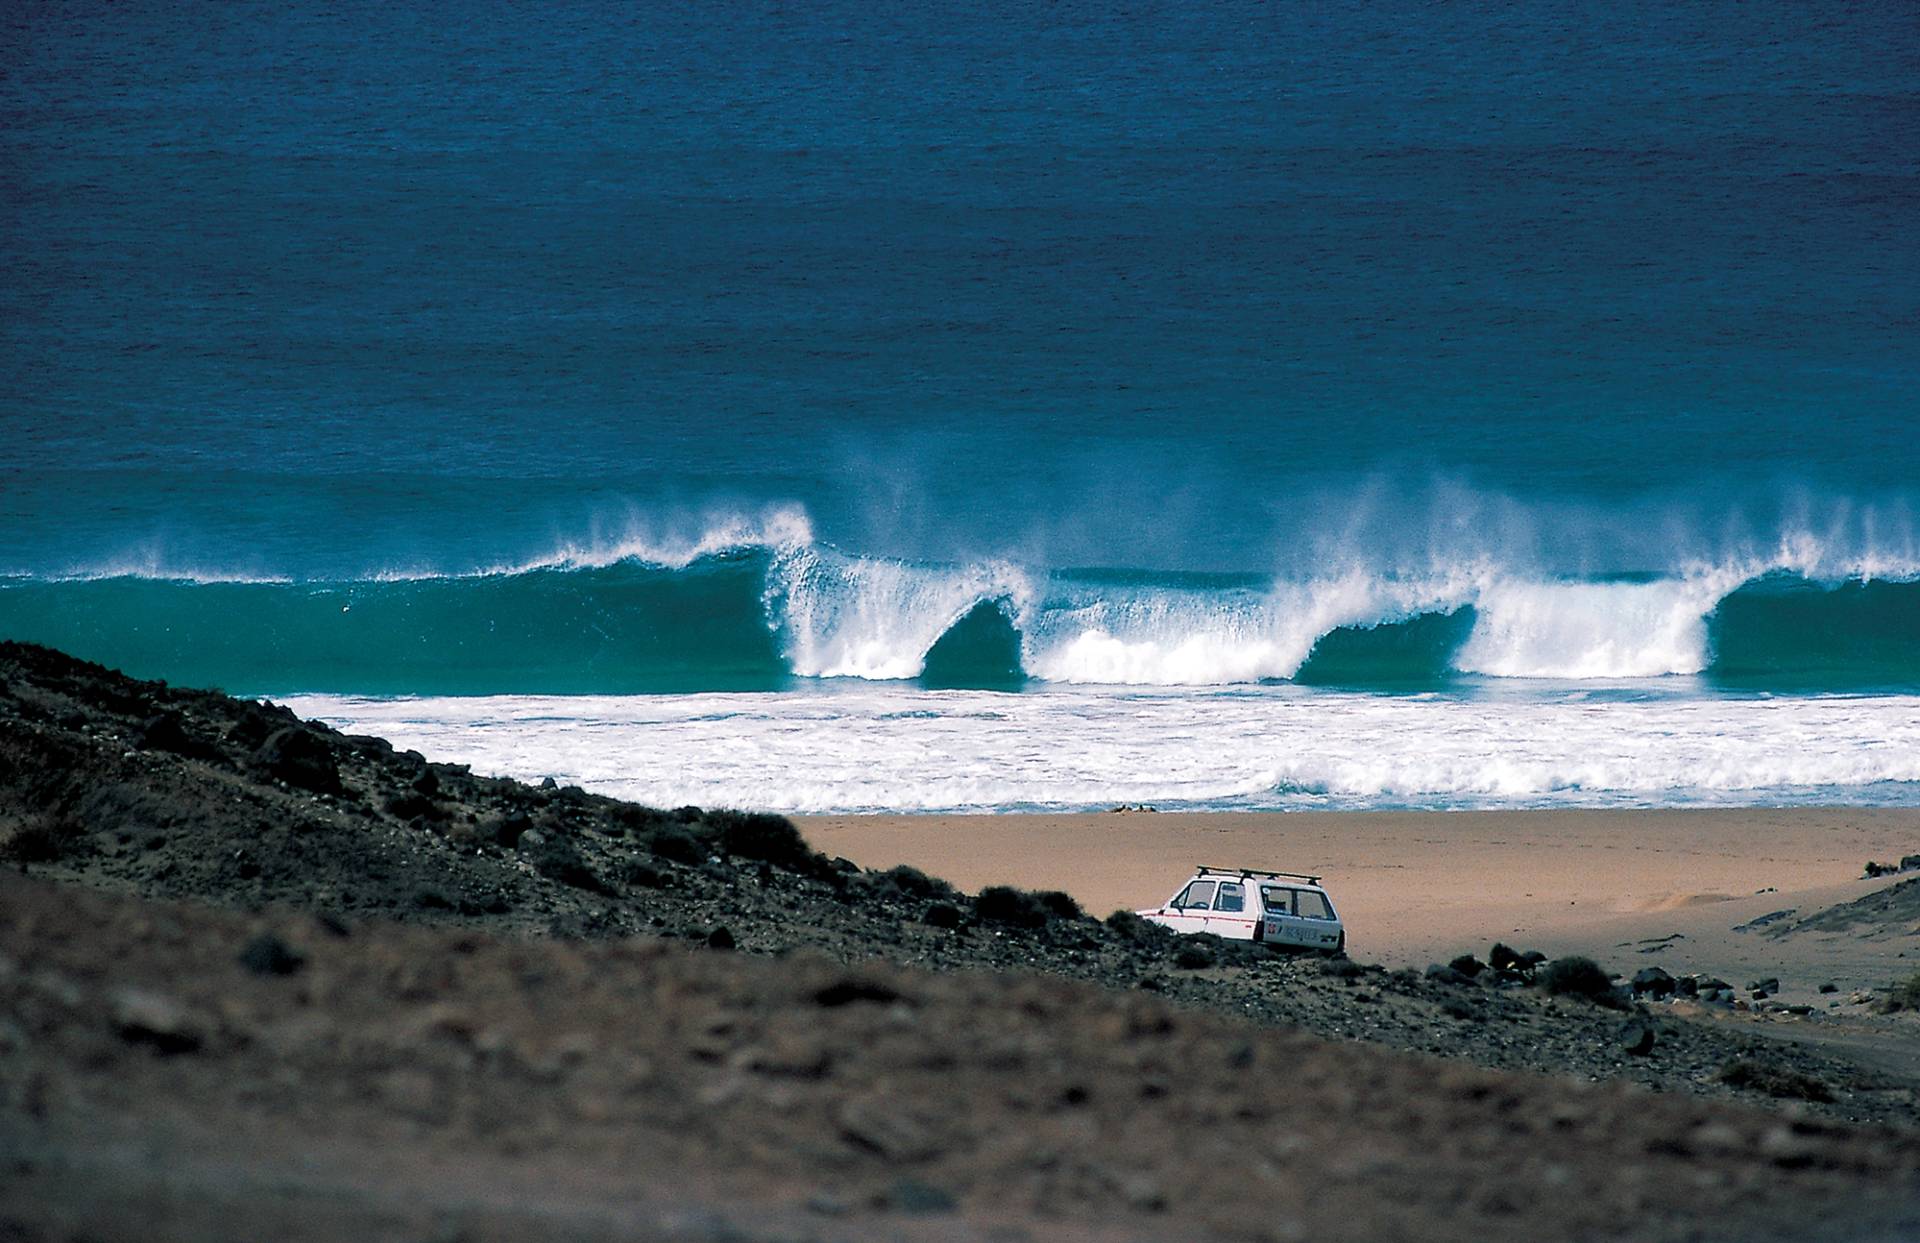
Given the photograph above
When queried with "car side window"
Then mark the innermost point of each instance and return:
(1232, 897)
(1314, 905)
(1198, 897)
(1279, 901)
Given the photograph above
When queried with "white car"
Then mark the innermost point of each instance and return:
(1245, 904)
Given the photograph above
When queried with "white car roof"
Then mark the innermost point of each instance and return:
(1256, 876)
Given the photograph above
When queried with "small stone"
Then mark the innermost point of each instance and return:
(1829, 987)
(721, 939)
(1637, 1038)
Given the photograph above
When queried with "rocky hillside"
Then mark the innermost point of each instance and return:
(146, 789)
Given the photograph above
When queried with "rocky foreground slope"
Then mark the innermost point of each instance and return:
(570, 1035)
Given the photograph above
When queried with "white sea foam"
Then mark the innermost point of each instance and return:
(876, 619)
(1161, 636)
(876, 746)
(1591, 630)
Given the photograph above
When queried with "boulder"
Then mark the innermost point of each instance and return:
(1653, 982)
(168, 732)
(300, 758)
(510, 828)
(1468, 965)
(1637, 1037)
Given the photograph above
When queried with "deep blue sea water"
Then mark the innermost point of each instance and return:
(1526, 381)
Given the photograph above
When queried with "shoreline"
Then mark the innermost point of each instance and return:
(1421, 886)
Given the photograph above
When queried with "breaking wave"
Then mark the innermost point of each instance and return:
(758, 604)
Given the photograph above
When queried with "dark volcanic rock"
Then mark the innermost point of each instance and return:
(299, 757)
(1468, 965)
(1653, 982)
(1637, 1037)
(1503, 958)
(167, 731)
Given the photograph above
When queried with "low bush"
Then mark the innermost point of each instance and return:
(1003, 904)
(558, 859)
(1195, 955)
(1775, 1081)
(763, 836)
(941, 915)
(671, 842)
(1139, 931)
(913, 883)
(1059, 905)
(1576, 976)
(1904, 995)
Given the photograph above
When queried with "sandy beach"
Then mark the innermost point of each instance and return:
(1415, 887)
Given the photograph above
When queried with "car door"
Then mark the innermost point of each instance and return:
(1230, 917)
(1187, 911)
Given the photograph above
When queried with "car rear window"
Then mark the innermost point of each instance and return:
(1314, 905)
(1279, 901)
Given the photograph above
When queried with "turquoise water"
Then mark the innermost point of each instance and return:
(1407, 351)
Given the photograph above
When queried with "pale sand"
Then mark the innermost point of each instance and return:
(1418, 887)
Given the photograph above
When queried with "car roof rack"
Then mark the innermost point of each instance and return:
(1246, 872)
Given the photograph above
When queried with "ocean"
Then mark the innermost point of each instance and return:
(987, 407)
